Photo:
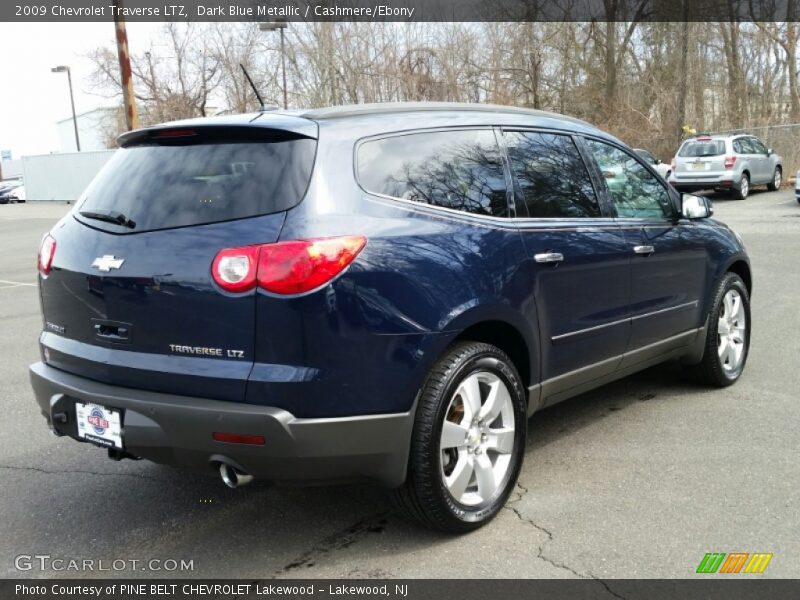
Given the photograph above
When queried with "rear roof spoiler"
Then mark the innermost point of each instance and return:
(248, 127)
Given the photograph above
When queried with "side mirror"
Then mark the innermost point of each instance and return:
(658, 161)
(770, 151)
(696, 207)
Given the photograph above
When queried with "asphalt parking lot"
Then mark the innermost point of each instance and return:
(637, 479)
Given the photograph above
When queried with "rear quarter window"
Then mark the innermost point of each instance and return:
(167, 186)
(460, 170)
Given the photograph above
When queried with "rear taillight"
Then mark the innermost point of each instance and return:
(234, 269)
(285, 268)
(303, 265)
(730, 161)
(47, 251)
(672, 164)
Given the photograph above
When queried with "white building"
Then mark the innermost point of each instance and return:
(94, 127)
(10, 169)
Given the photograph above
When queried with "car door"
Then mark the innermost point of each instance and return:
(578, 259)
(667, 273)
(761, 156)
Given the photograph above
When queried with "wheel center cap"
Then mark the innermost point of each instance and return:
(474, 437)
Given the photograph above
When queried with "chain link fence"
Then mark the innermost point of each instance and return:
(783, 139)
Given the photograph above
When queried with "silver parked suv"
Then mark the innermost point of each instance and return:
(725, 162)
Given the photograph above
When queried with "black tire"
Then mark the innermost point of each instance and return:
(776, 176)
(424, 495)
(743, 190)
(710, 370)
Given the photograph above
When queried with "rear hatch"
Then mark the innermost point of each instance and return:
(130, 299)
(701, 159)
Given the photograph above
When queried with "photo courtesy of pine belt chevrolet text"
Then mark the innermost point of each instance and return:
(376, 292)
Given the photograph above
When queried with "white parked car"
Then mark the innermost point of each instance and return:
(662, 168)
(18, 194)
(12, 191)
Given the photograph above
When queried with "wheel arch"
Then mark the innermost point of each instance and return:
(503, 327)
(741, 267)
(507, 338)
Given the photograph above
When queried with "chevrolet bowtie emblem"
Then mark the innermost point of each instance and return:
(108, 262)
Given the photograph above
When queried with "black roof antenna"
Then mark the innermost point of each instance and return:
(262, 107)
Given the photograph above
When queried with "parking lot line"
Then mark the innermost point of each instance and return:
(4, 283)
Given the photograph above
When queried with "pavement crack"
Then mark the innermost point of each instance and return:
(550, 538)
(605, 585)
(78, 472)
(338, 540)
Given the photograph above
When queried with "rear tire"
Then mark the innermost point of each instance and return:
(777, 179)
(728, 335)
(468, 440)
(741, 192)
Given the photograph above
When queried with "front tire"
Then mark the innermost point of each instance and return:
(468, 440)
(741, 192)
(777, 179)
(728, 336)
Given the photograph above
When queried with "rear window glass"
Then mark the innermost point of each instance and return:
(159, 187)
(697, 149)
(460, 170)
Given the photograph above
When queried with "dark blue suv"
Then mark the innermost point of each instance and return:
(384, 292)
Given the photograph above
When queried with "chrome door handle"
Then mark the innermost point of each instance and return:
(548, 257)
(644, 249)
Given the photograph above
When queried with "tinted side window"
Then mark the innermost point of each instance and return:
(551, 175)
(635, 191)
(461, 170)
(747, 146)
(648, 158)
(758, 146)
(738, 146)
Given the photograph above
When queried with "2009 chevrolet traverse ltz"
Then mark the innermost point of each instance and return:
(383, 292)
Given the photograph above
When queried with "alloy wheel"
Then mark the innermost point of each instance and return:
(731, 331)
(477, 439)
(744, 187)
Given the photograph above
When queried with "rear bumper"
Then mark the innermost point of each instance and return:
(693, 185)
(177, 430)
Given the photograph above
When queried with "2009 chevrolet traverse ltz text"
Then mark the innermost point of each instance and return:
(384, 292)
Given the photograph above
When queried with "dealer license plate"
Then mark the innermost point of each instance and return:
(99, 425)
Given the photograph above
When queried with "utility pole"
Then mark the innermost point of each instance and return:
(65, 69)
(279, 26)
(126, 77)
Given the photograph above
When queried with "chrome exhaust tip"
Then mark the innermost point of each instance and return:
(233, 477)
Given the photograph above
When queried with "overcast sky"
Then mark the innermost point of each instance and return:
(32, 98)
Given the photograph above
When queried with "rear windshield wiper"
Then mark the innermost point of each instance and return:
(110, 216)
